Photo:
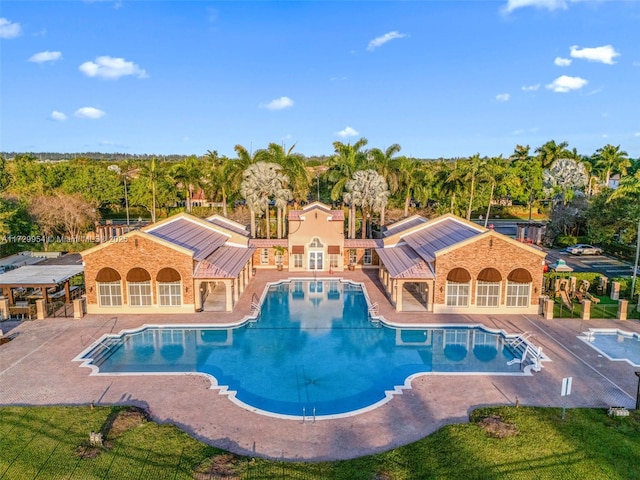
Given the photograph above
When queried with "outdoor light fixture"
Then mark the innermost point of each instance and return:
(638, 393)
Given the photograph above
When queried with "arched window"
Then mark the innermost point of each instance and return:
(109, 287)
(139, 287)
(458, 284)
(169, 287)
(315, 243)
(519, 288)
(488, 288)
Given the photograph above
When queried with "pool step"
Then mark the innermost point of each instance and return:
(103, 350)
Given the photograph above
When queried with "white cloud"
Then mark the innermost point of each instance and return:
(530, 88)
(565, 84)
(503, 97)
(604, 54)
(278, 104)
(347, 132)
(111, 68)
(89, 112)
(548, 4)
(57, 116)
(636, 64)
(381, 40)
(562, 62)
(45, 56)
(9, 29)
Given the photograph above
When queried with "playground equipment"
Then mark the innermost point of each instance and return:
(583, 291)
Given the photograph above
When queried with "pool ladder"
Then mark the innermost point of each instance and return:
(304, 414)
(255, 305)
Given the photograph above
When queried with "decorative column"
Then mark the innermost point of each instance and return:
(586, 309)
(228, 288)
(622, 308)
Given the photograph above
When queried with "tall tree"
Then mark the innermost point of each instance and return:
(189, 175)
(494, 172)
(346, 160)
(261, 181)
(611, 159)
(368, 190)
(552, 151)
(472, 169)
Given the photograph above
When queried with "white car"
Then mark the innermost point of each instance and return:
(584, 249)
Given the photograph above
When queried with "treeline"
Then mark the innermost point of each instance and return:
(593, 197)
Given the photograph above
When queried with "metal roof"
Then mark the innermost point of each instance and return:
(40, 275)
(225, 262)
(362, 243)
(427, 241)
(269, 242)
(201, 240)
(403, 225)
(228, 225)
(404, 262)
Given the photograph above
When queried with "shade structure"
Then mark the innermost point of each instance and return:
(561, 266)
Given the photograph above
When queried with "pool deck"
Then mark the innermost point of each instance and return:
(36, 368)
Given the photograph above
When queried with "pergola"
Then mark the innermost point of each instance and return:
(40, 277)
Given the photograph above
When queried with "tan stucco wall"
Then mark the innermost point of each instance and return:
(316, 224)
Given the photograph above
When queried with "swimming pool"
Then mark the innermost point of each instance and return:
(616, 345)
(313, 351)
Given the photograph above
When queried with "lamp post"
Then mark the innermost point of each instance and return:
(635, 265)
(318, 184)
(638, 393)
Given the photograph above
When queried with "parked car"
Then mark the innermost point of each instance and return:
(584, 249)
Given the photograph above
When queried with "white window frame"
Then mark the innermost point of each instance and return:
(458, 294)
(297, 260)
(487, 294)
(111, 292)
(333, 260)
(170, 293)
(140, 294)
(367, 258)
(264, 256)
(279, 259)
(518, 294)
(353, 256)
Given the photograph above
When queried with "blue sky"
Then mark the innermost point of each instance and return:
(441, 78)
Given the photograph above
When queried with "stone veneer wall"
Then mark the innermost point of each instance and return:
(489, 252)
(123, 254)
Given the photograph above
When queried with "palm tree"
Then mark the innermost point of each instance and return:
(611, 159)
(189, 174)
(368, 190)
(150, 173)
(215, 178)
(495, 170)
(294, 167)
(550, 152)
(345, 162)
(387, 166)
(260, 182)
(473, 168)
(449, 180)
(415, 179)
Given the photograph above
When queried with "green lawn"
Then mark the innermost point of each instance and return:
(52, 443)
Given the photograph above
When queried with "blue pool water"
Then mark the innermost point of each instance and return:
(313, 348)
(615, 344)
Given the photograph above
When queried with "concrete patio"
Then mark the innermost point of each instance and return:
(36, 368)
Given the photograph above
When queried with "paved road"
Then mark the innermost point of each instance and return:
(608, 266)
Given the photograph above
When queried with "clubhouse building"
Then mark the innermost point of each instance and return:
(186, 264)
